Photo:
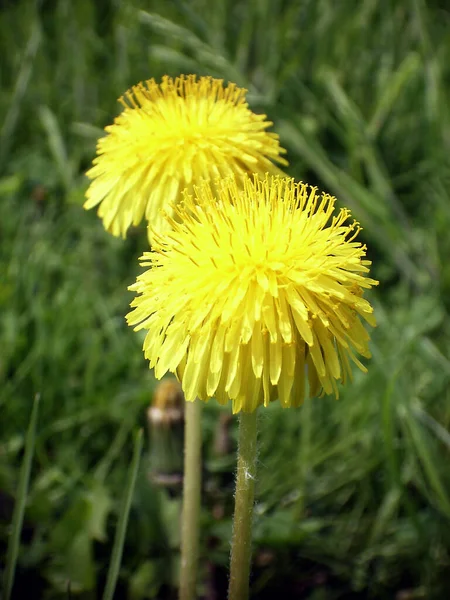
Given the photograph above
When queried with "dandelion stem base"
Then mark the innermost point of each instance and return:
(243, 512)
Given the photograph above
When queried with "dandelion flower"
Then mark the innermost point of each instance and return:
(170, 136)
(254, 292)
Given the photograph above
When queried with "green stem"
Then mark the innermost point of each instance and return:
(191, 500)
(243, 510)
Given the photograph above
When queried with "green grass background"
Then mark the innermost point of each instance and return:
(353, 496)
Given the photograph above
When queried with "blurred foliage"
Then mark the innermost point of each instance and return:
(354, 495)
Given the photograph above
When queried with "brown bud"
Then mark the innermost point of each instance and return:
(168, 404)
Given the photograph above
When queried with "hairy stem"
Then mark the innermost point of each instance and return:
(243, 511)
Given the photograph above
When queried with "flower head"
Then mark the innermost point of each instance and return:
(170, 136)
(253, 292)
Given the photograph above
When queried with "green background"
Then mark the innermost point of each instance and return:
(353, 496)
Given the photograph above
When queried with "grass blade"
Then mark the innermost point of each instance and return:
(116, 556)
(57, 145)
(19, 92)
(428, 462)
(397, 83)
(439, 430)
(19, 507)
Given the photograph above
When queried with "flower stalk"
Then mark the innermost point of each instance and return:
(191, 500)
(243, 512)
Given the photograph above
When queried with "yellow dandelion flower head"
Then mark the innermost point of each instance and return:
(170, 136)
(255, 293)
